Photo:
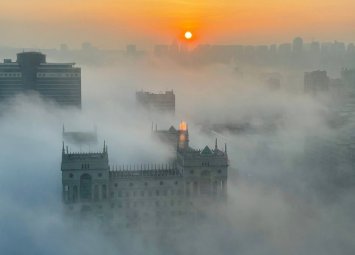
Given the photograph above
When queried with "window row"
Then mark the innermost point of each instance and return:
(135, 204)
(131, 184)
(84, 166)
(10, 75)
(58, 75)
(148, 193)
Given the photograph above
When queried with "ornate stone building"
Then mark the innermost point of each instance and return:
(128, 194)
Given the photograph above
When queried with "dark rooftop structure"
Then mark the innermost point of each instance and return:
(164, 102)
(60, 82)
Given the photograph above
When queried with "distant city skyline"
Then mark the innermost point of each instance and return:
(302, 43)
(113, 24)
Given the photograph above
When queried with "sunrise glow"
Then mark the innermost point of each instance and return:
(188, 35)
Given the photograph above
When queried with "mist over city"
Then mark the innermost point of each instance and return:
(177, 128)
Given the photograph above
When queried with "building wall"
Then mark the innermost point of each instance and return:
(59, 82)
(154, 193)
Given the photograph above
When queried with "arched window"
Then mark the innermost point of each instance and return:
(85, 187)
(205, 183)
(104, 191)
(195, 188)
(96, 192)
(75, 193)
(66, 193)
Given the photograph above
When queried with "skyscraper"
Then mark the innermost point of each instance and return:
(60, 82)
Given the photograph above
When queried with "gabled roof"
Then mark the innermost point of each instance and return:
(172, 129)
(206, 151)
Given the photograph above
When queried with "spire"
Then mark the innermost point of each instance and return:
(225, 148)
(63, 151)
(104, 146)
(216, 146)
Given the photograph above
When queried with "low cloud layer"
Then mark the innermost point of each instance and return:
(274, 206)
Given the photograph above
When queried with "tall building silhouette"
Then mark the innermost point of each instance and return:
(164, 102)
(60, 82)
(316, 82)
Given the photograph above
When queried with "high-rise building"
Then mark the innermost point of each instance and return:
(80, 138)
(58, 81)
(316, 81)
(297, 46)
(164, 102)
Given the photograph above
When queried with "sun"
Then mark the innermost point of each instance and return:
(188, 35)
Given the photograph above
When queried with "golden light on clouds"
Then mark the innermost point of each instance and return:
(109, 22)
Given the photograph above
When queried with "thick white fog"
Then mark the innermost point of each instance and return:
(274, 203)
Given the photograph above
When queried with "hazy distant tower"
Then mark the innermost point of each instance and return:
(297, 46)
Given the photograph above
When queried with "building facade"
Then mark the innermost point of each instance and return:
(316, 82)
(129, 194)
(164, 102)
(60, 82)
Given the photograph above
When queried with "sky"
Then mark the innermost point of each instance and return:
(113, 24)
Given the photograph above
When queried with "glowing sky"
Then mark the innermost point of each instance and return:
(114, 23)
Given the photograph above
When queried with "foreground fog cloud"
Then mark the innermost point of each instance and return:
(273, 206)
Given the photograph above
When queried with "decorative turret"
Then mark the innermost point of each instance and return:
(183, 142)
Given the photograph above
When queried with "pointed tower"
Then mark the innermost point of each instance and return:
(183, 142)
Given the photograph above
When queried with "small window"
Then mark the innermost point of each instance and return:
(116, 185)
(157, 192)
(142, 193)
(146, 184)
(161, 183)
(99, 174)
(71, 175)
(176, 182)
(192, 172)
(219, 171)
(130, 184)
